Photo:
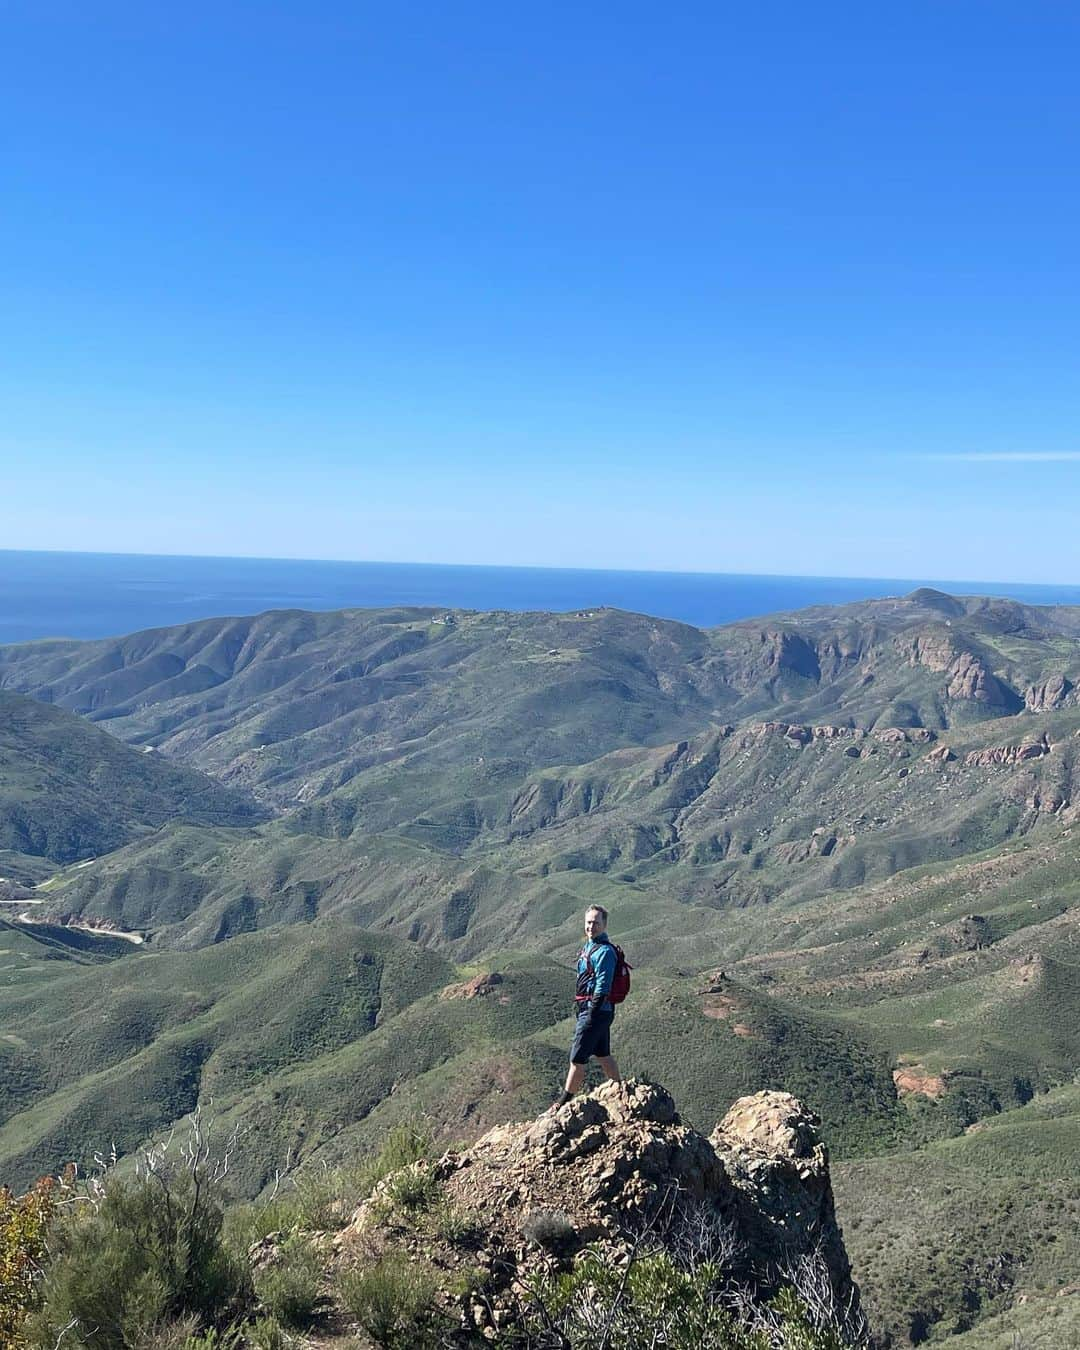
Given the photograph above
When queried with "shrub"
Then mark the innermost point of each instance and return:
(265, 1333)
(391, 1299)
(289, 1288)
(414, 1188)
(317, 1198)
(23, 1226)
(404, 1144)
(548, 1228)
(231, 1338)
(656, 1301)
(453, 1224)
(138, 1252)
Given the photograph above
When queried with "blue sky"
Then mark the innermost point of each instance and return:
(779, 288)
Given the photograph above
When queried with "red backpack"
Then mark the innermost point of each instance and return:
(620, 984)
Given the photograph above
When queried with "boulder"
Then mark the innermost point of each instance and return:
(772, 1152)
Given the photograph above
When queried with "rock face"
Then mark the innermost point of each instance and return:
(480, 986)
(967, 675)
(771, 1151)
(617, 1164)
(1052, 693)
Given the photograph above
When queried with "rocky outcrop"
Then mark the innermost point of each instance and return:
(480, 986)
(772, 1154)
(913, 1080)
(830, 733)
(1052, 693)
(968, 677)
(789, 653)
(617, 1164)
(1033, 747)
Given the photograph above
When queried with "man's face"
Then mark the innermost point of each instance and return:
(594, 924)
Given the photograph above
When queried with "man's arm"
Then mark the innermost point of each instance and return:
(604, 962)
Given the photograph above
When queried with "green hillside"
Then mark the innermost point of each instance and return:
(838, 846)
(977, 1231)
(68, 790)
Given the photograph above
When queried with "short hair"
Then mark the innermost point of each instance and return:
(598, 909)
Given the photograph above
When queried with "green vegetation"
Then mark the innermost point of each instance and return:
(289, 1288)
(392, 1301)
(137, 1253)
(655, 1301)
(441, 800)
(68, 790)
(24, 1224)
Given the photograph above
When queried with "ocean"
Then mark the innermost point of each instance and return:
(85, 595)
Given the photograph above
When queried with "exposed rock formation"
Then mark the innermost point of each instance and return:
(1052, 693)
(1034, 747)
(967, 674)
(480, 986)
(771, 1150)
(914, 1079)
(618, 1162)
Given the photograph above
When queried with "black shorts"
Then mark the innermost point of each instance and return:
(594, 1039)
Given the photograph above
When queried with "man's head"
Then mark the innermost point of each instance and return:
(595, 921)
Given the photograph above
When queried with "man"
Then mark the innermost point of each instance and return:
(595, 1011)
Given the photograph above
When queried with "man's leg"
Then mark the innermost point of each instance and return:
(574, 1078)
(607, 1063)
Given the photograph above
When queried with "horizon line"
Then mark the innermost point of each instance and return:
(534, 567)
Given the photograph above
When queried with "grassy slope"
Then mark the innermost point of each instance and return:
(68, 790)
(971, 1227)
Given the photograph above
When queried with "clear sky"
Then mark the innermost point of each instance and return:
(773, 287)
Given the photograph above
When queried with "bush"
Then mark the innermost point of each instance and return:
(318, 1198)
(265, 1333)
(656, 1301)
(414, 1188)
(23, 1226)
(132, 1254)
(453, 1224)
(549, 1228)
(391, 1299)
(289, 1288)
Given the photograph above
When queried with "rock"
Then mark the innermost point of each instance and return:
(1051, 693)
(891, 735)
(941, 755)
(616, 1163)
(1032, 748)
(915, 1080)
(973, 932)
(790, 731)
(772, 1151)
(478, 987)
(967, 674)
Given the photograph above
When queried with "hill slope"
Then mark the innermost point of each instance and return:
(68, 790)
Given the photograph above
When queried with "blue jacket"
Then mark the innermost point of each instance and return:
(595, 973)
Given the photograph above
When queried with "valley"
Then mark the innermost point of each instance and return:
(839, 847)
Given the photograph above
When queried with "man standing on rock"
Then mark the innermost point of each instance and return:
(595, 1011)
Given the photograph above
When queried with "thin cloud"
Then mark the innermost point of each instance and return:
(1005, 457)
